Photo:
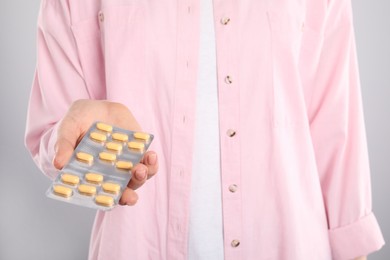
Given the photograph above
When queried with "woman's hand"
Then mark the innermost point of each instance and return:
(80, 116)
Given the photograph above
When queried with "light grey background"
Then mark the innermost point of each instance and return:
(34, 227)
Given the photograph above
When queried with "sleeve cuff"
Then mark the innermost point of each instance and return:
(357, 239)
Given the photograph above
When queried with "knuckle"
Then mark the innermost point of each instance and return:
(152, 170)
(135, 184)
(139, 183)
(118, 107)
(132, 199)
(78, 103)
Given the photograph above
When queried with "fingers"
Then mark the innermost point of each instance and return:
(140, 173)
(129, 197)
(139, 176)
(146, 169)
(151, 162)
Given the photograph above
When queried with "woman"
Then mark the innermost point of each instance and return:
(260, 141)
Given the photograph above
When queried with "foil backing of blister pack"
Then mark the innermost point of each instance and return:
(109, 171)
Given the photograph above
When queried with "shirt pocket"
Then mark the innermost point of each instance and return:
(123, 33)
(120, 20)
(88, 42)
(286, 21)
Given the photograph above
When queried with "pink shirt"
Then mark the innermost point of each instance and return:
(294, 162)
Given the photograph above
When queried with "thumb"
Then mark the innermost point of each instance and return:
(63, 151)
(67, 137)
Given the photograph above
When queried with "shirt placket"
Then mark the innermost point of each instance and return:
(183, 127)
(226, 28)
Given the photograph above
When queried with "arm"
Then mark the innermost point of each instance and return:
(58, 81)
(335, 113)
(60, 108)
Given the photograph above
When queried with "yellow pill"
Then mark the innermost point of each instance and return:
(62, 191)
(104, 200)
(70, 179)
(143, 136)
(98, 137)
(111, 187)
(120, 137)
(136, 145)
(104, 127)
(117, 147)
(87, 190)
(124, 165)
(94, 178)
(110, 157)
(84, 157)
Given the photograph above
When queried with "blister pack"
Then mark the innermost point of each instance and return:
(100, 167)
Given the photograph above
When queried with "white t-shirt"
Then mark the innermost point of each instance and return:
(206, 229)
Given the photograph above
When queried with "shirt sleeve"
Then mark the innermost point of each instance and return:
(58, 81)
(338, 133)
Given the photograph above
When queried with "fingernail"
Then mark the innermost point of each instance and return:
(140, 174)
(152, 159)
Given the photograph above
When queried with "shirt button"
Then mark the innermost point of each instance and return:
(235, 243)
(225, 20)
(231, 132)
(101, 17)
(228, 79)
(233, 188)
